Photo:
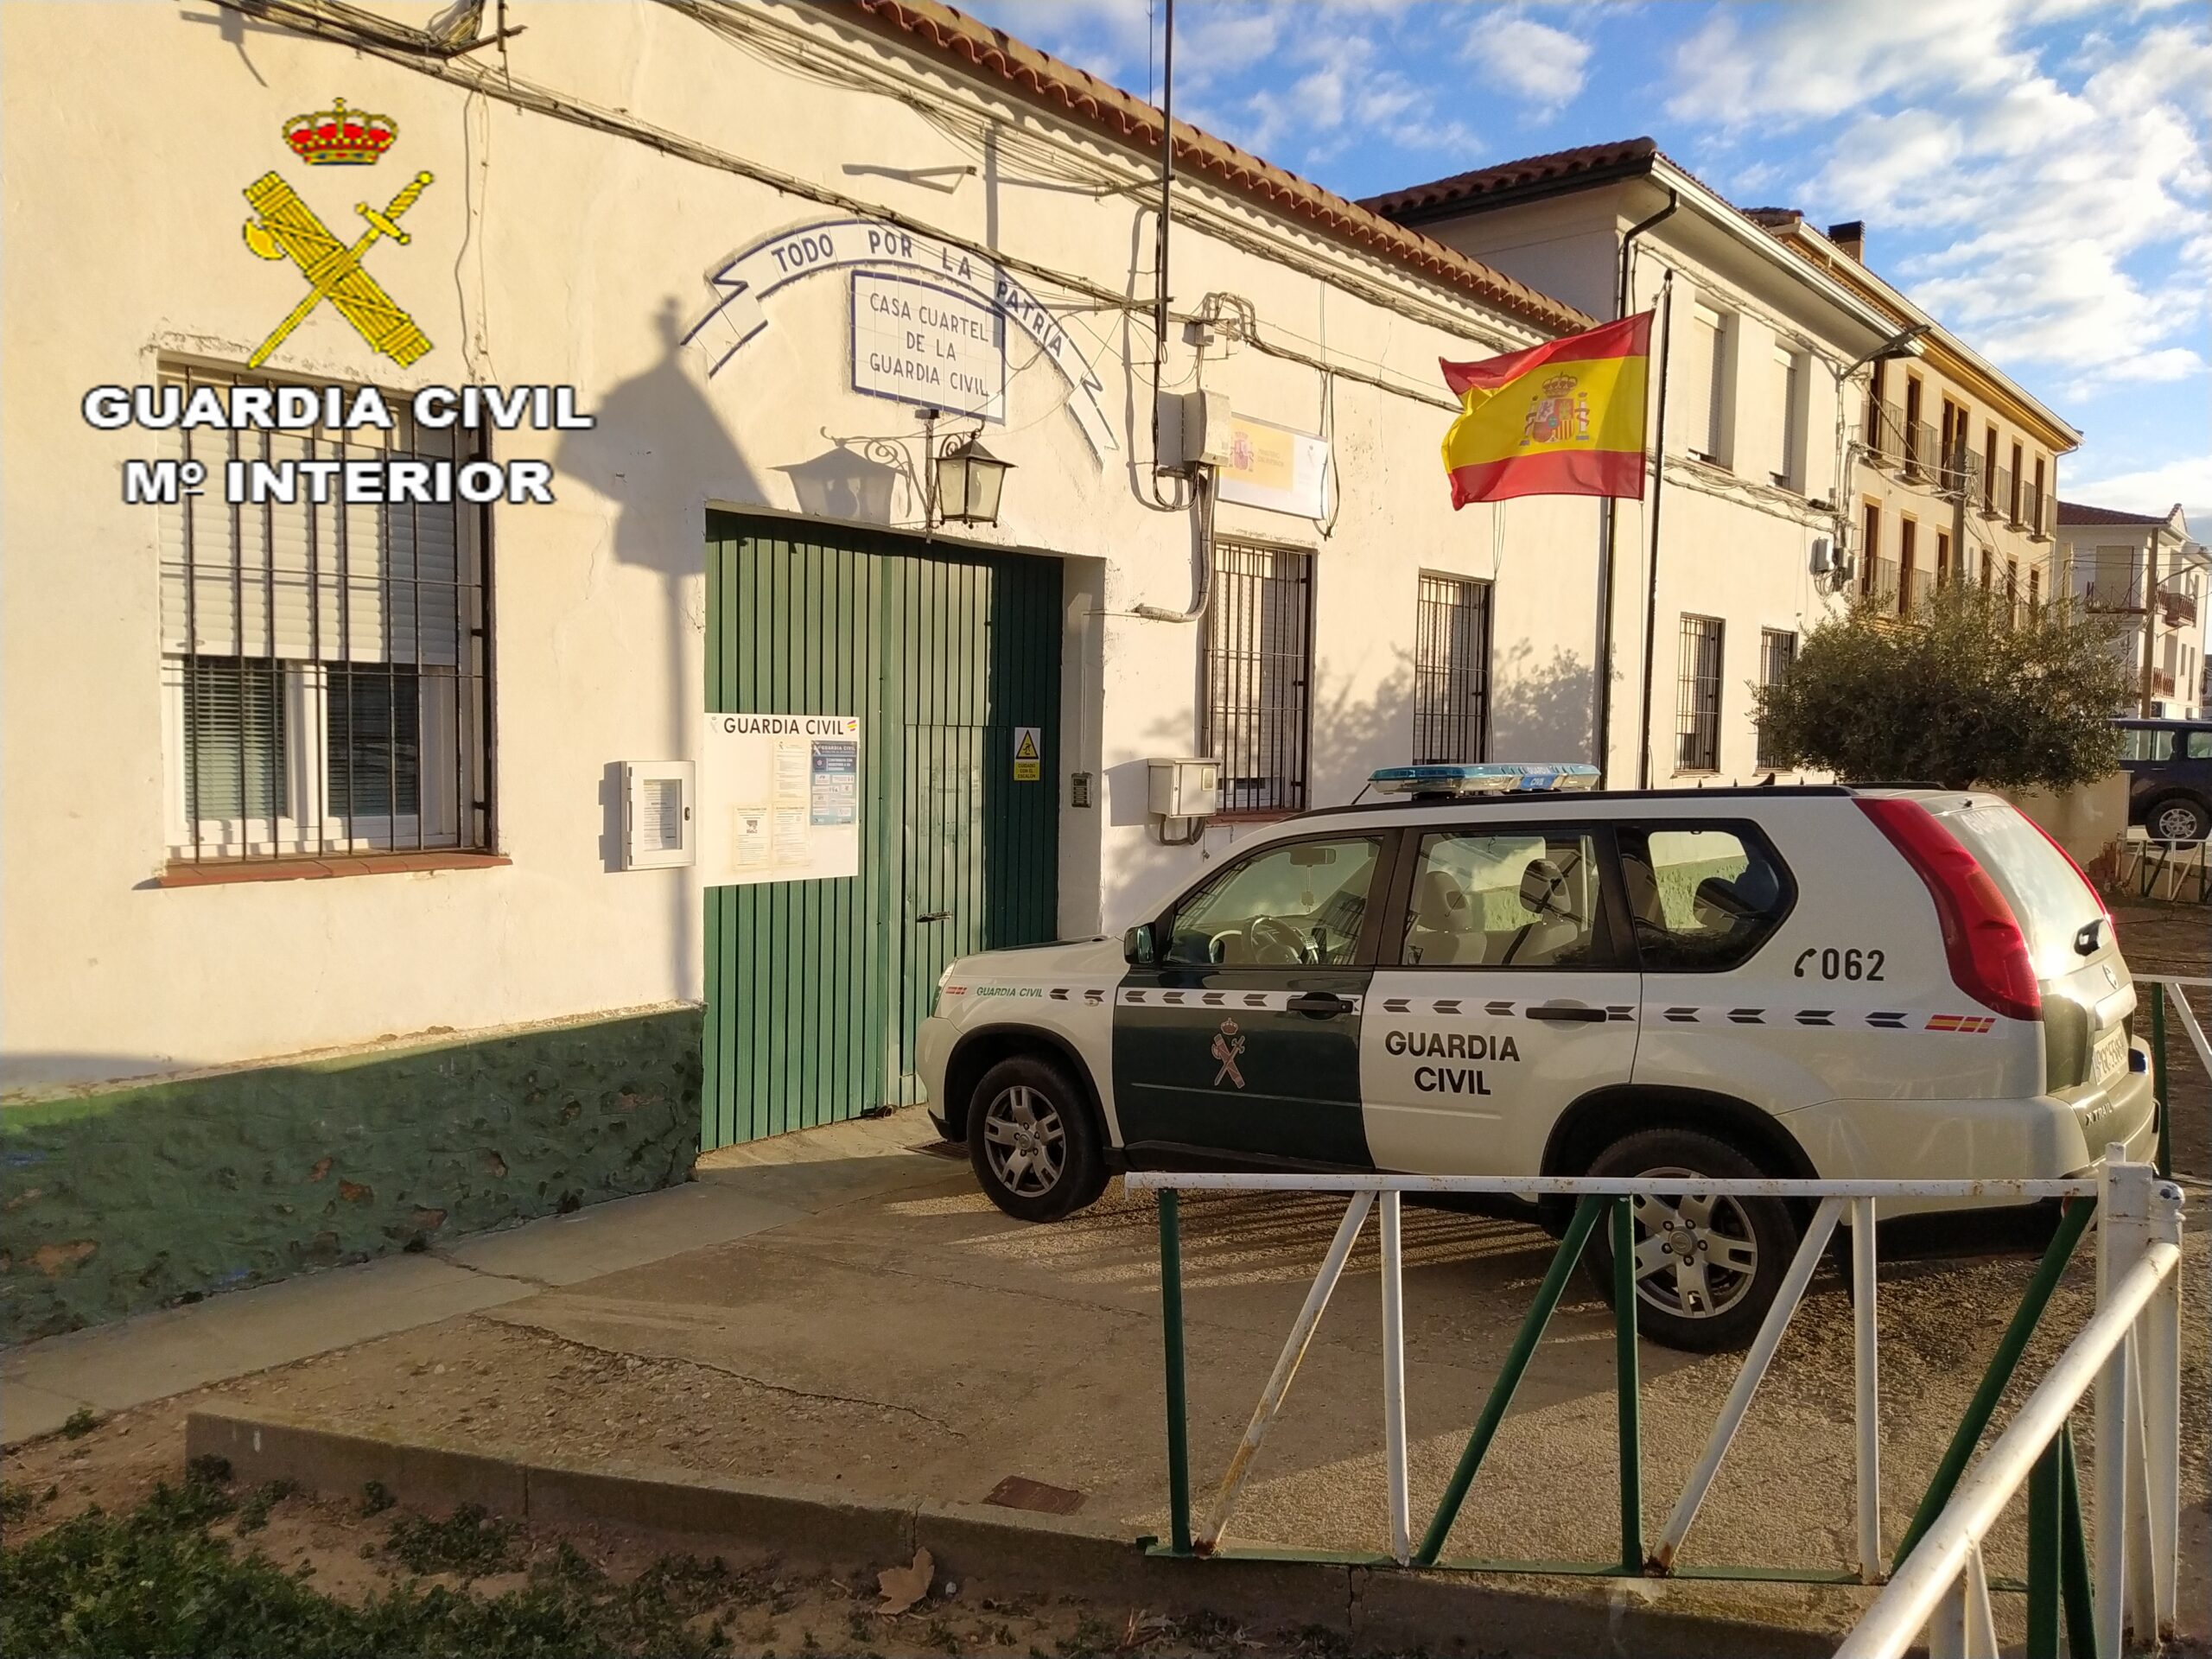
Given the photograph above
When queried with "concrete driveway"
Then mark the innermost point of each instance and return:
(851, 1310)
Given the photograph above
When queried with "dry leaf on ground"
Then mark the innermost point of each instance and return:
(902, 1586)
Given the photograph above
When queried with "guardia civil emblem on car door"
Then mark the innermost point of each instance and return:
(1227, 1046)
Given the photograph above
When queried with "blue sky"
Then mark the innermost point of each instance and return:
(2036, 172)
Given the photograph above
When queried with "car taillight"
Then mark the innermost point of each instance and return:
(1981, 937)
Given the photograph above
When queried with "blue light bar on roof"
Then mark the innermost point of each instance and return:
(1485, 778)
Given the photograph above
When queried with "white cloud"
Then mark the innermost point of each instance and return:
(2051, 187)
(1539, 63)
(2154, 489)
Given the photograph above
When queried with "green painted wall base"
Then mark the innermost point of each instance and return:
(145, 1196)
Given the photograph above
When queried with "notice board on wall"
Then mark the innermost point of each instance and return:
(779, 798)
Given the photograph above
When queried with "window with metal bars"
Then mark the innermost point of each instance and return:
(1258, 672)
(1777, 655)
(1451, 671)
(1697, 718)
(324, 665)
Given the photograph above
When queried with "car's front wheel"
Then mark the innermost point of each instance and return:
(1707, 1263)
(1033, 1140)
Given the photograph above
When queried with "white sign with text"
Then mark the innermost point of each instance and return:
(927, 345)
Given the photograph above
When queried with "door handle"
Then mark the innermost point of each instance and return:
(1319, 1005)
(1567, 1012)
(934, 916)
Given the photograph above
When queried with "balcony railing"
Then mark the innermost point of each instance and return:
(1999, 503)
(1880, 582)
(2162, 683)
(1920, 456)
(2180, 608)
(2042, 515)
(1968, 477)
(1956, 468)
(1885, 440)
(2114, 594)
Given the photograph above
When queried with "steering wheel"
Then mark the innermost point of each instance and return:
(1275, 941)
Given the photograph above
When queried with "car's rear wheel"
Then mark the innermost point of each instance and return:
(1707, 1264)
(2178, 818)
(1033, 1140)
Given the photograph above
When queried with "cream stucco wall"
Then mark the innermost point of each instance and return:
(547, 252)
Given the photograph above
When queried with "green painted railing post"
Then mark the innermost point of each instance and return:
(2001, 1367)
(2073, 1555)
(2158, 1080)
(1171, 1320)
(1625, 1386)
(2045, 1484)
(1586, 1210)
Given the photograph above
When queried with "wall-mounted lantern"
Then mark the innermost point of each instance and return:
(965, 480)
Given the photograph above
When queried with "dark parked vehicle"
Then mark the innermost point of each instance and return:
(2169, 767)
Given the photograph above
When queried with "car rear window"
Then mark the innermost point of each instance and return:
(2046, 892)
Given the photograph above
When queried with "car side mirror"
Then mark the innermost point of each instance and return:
(1136, 946)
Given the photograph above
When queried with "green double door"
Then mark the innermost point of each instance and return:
(814, 988)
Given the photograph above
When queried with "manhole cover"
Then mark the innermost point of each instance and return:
(1019, 1492)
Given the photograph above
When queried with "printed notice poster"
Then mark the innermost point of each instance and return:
(790, 836)
(835, 797)
(791, 757)
(1028, 754)
(779, 798)
(750, 834)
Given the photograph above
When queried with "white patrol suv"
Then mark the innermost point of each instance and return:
(1476, 977)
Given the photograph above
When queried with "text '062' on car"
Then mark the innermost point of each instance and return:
(1470, 980)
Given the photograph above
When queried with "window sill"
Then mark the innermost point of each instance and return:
(212, 872)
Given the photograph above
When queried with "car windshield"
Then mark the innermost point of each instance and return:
(2046, 891)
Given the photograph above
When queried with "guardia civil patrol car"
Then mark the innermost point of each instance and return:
(1499, 970)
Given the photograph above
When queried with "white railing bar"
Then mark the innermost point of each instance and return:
(1293, 1350)
(2179, 1003)
(1905, 1605)
(2159, 1350)
(1981, 1617)
(2142, 1566)
(2174, 980)
(1747, 1381)
(1865, 1367)
(1527, 1187)
(1394, 1381)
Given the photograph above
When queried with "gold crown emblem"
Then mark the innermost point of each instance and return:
(340, 138)
(1560, 384)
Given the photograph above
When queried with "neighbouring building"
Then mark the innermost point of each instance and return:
(351, 898)
(1954, 473)
(1742, 544)
(2146, 570)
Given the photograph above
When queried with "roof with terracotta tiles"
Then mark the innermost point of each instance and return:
(2077, 513)
(994, 55)
(1563, 169)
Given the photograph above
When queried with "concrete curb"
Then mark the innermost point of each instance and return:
(1006, 1549)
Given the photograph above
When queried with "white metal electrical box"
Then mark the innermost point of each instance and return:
(1194, 428)
(658, 814)
(1183, 786)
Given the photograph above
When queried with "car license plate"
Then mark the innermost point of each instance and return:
(2111, 1055)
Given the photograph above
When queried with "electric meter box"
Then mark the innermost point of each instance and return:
(658, 815)
(1185, 786)
(1194, 428)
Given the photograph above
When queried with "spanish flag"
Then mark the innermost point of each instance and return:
(1562, 419)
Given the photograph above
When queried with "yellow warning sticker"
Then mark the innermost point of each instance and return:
(1028, 756)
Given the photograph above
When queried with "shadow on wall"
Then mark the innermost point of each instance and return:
(661, 451)
(1541, 709)
(141, 1198)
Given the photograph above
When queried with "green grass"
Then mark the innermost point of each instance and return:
(156, 1581)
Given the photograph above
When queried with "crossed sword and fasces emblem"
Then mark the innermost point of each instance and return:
(1227, 1046)
(285, 225)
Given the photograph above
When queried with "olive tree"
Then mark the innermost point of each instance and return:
(1969, 690)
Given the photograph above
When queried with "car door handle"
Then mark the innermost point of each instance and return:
(1567, 1011)
(1321, 1005)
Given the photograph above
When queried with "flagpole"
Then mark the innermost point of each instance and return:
(1651, 559)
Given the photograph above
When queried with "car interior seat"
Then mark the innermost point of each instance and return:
(1443, 923)
(1552, 928)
